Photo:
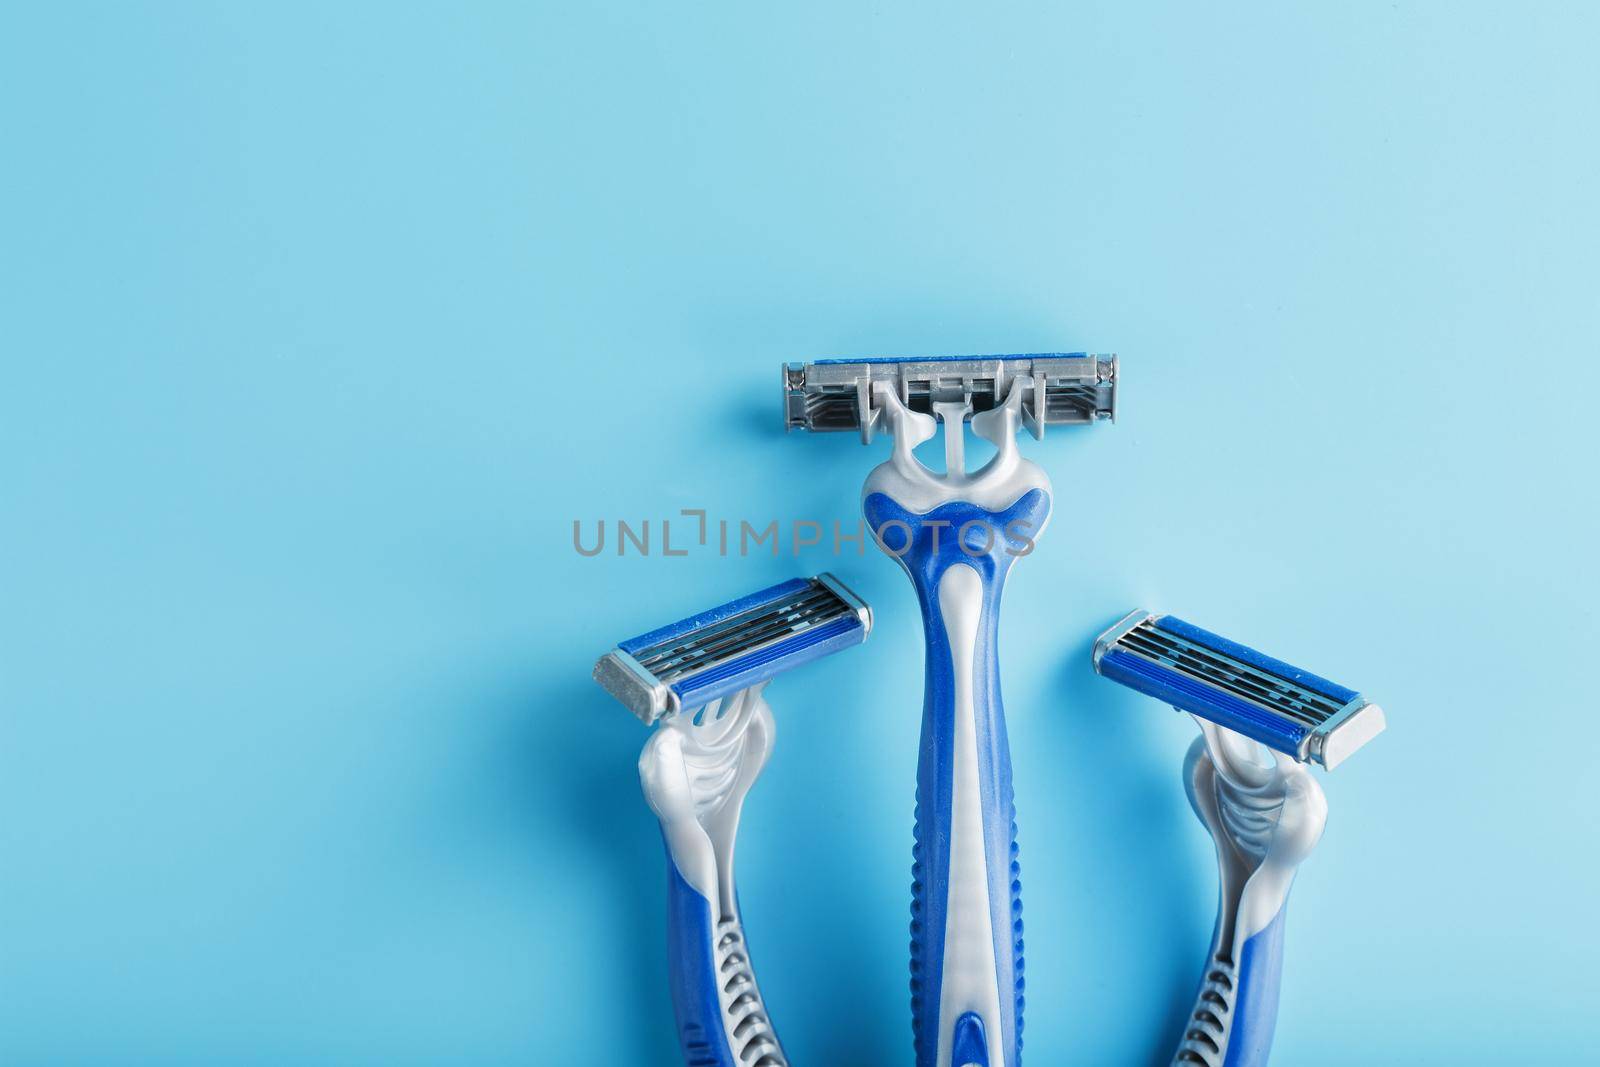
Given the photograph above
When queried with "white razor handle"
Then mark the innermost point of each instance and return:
(696, 769)
(1265, 813)
(957, 536)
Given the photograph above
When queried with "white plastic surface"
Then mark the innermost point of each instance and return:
(695, 778)
(970, 982)
(1265, 812)
(995, 486)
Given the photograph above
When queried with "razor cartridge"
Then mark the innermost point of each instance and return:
(1062, 389)
(718, 652)
(1283, 707)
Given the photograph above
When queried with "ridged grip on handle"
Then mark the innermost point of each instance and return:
(721, 1019)
(1236, 1009)
(966, 927)
(693, 969)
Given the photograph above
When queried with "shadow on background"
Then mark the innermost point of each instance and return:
(1119, 778)
(826, 977)
(578, 760)
(578, 755)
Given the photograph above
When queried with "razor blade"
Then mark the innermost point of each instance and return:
(1062, 388)
(1285, 708)
(744, 642)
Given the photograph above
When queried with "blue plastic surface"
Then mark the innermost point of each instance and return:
(1210, 702)
(1255, 1009)
(970, 1048)
(926, 564)
(1246, 654)
(692, 974)
(810, 644)
(769, 595)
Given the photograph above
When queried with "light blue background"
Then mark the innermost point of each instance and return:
(321, 324)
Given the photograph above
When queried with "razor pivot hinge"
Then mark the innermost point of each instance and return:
(831, 395)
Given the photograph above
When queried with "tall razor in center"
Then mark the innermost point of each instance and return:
(957, 535)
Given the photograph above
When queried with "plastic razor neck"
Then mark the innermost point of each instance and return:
(998, 484)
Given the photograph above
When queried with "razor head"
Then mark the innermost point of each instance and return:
(1285, 708)
(716, 653)
(1064, 388)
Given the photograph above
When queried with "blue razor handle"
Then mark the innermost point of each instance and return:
(966, 926)
(1264, 817)
(1255, 1013)
(696, 770)
(705, 956)
(1236, 1009)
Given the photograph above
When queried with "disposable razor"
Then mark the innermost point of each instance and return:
(1261, 722)
(957, 535)
(701, 683)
